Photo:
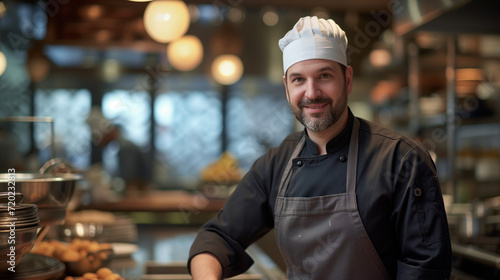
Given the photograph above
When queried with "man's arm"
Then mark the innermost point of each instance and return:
(205, 266)
(247, 216)
(421, 221)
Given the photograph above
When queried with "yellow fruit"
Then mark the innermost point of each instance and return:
(70, 256)
(103, 272)
(113, 276)
(89, 276)
(93, 247)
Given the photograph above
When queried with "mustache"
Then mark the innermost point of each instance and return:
(320, 100)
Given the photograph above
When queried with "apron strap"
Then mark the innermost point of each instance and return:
(285, 179)
(286, 174)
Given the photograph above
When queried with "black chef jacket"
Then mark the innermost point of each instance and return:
(398, 194)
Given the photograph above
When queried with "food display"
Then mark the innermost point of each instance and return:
(80, 256)
(103, 273)
(219, 178)
(224, 170)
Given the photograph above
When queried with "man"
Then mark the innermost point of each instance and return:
(126, 160)
(348, 198)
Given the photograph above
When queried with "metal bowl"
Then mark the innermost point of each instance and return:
(44, 190)
(25, 239)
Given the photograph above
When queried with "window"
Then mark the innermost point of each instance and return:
(258, 118)
(188, 130)
(69, 108)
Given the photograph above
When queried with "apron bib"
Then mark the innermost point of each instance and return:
(323, 237)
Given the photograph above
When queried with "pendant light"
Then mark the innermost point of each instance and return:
(166, 20)
(227, 69)
(186, 53)
(3, 63)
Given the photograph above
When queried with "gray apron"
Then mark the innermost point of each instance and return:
(323, 237)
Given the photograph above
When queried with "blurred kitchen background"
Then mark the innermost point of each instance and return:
(195, 107)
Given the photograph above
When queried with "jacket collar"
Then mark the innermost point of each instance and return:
(336, 143)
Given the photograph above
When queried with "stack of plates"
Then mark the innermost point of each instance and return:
(22, 216)
(36, 267)
(19, 227)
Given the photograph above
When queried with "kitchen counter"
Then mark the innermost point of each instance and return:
(168, 215)
(159, 201)
(167, 224)
(163, 248)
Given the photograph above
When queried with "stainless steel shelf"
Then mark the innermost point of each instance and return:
(478, 255)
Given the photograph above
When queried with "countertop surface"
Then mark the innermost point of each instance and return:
(159, 201)
(167, 245)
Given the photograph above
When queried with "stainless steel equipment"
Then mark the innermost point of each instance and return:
(44, 190)
(36, 267)
(475, 229)
(50, 194)
(19, 228)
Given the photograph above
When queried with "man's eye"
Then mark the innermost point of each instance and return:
(297, 80)
(325, 76)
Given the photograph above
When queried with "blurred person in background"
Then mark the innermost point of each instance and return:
(121, 159)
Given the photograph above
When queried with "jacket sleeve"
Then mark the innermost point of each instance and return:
(245, 218)
(420, 220)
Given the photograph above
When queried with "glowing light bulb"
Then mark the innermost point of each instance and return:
(166, 20)
(227, 69)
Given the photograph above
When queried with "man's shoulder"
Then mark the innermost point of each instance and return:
(381, 133)
(290, 142)
(285, 148)
(292, 138)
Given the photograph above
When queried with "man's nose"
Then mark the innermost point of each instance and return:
(313, 91)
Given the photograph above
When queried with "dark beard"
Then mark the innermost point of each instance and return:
(320, 124)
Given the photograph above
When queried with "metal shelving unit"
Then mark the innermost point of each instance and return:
(450, 20)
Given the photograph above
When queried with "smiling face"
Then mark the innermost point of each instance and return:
(317, 91)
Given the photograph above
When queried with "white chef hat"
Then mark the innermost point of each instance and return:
(314, 38)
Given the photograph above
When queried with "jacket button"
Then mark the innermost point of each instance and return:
(417, 192)
(342, 158)
(299, 163)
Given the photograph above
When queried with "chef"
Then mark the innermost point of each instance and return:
(348, 199)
